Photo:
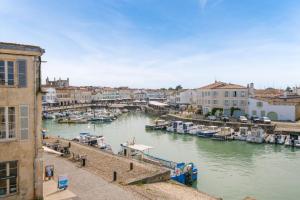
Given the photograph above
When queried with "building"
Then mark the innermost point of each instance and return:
(231, 99)
(65, 96)
(57, 83)
(280, 108)
(20, 127)
(82, 95)
(49, 97)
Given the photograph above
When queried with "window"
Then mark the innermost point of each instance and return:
(7, 123)
(22, 73)
(259, 104)
(254, 113)
(6, 72)
(262, 113)
(226, 94)
(215, 93)
(234, 93)
(234, 103)
(24, 122)
(8, 177)
(2, 72)
(226, 103)
(215, 102)
(243, 93)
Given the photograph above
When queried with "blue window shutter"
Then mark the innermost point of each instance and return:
(22, 73)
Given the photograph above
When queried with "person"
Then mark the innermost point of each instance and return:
(44, 134)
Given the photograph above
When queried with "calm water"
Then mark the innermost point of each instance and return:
(232, 170)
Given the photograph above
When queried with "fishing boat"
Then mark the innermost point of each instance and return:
(93, 140)
(256, 135)
(241, 134)
(157, 125)
(196, 129)
(175, 125)
(73, 120)
(100, 119)
(208, 132)
(185, 173)
(226, 133)
(292, 140)
(186, 128)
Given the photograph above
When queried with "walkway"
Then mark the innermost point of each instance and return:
(84, 184)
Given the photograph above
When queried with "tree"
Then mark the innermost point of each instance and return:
(170, 88)
(178, 87)
(288, 89)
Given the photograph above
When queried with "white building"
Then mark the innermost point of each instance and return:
(224, 96)
(276, 108)
(49, 97)
(188, 97)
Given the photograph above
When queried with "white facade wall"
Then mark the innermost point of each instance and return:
(284, 112)
(50, 96)
(188, 97)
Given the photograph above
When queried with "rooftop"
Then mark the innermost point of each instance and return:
(222, 85)
(21, 47)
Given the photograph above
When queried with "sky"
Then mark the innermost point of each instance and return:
(160, 43)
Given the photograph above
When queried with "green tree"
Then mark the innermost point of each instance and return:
(178, 87)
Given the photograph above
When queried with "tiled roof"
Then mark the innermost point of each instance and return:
(280, 100)
(222, 85)
(21, 47)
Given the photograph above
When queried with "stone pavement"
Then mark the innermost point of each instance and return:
(85, 185)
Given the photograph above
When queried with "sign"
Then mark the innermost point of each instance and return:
(49, 171)
(63, 182)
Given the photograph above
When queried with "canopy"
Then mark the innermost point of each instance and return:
(139, 147)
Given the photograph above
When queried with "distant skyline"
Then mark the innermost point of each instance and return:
(160, 44)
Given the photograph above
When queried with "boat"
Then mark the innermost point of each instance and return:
(208, 132)
(256, 135)
(157, 125)
(93, 140)
(73, 120)
(100, 119)
(175, 125)
(185, 173)
(292, 140)
(48, 116)
(186, 127)
(241, 134)
(226, 133)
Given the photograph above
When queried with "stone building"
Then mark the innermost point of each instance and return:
(57, 83)
(224, 96)
(20, 122)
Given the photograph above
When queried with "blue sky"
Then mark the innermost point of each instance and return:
(160, 43)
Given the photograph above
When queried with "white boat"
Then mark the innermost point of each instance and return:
(292, 140)
(242, 134)
(196, 129)
(208, 132)
(186, 127)
(175, 125)
(225, 133)
(256, 135)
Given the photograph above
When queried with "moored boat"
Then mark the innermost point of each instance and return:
(241, 134)
(225, 133)
(256, 135)
(208, 132)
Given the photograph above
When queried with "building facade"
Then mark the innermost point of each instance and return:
(223, 96)
(276, 108)
(20, 122)
(58, 83)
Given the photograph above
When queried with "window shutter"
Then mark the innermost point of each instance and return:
(24, 122)
(22, 73)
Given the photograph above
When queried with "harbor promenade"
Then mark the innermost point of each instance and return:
(95, 180)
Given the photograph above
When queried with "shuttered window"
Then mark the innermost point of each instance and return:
(24, 113)
(10, 73)
(22, 73)
(2, 72)
(7, 123)
(8, 178)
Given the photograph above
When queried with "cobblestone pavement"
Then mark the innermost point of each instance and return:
(84, 184)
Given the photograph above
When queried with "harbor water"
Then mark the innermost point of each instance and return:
(231, 170)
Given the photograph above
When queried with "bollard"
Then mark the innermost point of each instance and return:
(131, 166)
(115, 176)
(69, 144)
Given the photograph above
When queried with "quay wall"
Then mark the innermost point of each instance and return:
(269, 128)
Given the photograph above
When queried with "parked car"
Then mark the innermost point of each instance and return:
(224, 118)
(255, 119)
(243, 119)
(265, 120)
(212, 118)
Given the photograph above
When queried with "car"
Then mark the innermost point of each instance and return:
(224, 118)
(255, 119)
(243, 119)
(265, 120)
(212, 118)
